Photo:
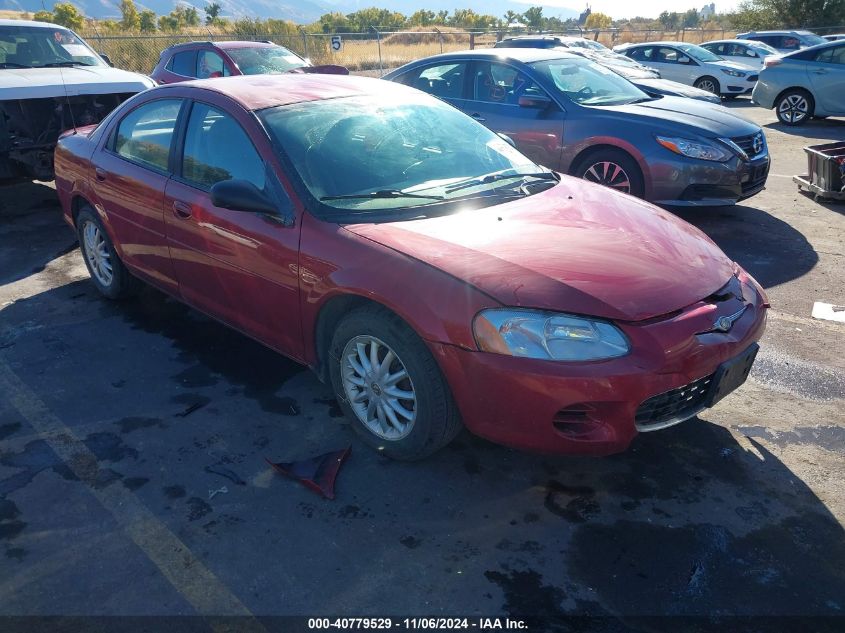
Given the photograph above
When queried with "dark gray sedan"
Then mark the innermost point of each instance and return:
(577, 117)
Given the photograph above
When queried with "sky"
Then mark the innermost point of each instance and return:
(628, 9)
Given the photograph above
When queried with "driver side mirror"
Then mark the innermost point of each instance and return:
(106, 59)
(683, 59)
(241, 195)
(534, 101)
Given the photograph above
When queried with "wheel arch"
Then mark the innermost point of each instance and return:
(330, 314)
(584, 153)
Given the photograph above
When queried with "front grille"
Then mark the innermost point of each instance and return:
(746, 144)
(673, 406)
(756, 180)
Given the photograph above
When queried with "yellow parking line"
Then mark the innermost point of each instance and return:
(193, 580)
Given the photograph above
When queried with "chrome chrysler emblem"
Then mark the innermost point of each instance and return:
(725, 323)
(758, 143)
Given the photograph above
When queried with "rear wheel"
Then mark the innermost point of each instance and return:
(390, 386)
(107, 272)
(612, 168)
(794, 107)
(710, 84)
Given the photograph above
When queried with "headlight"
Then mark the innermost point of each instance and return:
(733, 73)
(547, 335)
(694, 149)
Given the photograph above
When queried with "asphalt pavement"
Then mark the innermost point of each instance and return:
(133, 480)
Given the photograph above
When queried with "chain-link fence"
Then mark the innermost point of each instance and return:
(375, 51)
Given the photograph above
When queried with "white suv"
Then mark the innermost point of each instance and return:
(51, 81)
(784, 41)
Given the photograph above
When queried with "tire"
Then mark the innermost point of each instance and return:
(599, 167)
(794, 107)
(434, 419)
(708, 83)
(107, 272)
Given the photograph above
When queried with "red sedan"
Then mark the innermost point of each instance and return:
(433, 274)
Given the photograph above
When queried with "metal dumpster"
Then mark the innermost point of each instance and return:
(825, 176)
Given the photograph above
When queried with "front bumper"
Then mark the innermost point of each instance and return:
(686, 182)
(592, 408)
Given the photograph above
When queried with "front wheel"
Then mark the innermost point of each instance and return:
(390, 386)
(107, 272)
(710, 84)
(794, 107)
(612, 168)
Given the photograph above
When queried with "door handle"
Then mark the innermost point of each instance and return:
(181, 210)
(100, 174)
(820, 71)
(477, 117)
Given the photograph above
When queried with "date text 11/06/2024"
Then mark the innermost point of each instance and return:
(431, 624)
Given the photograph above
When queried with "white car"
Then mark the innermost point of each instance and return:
(692, 65)
(51, 81)
(746, 52)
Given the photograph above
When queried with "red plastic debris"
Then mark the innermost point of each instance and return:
(318, 473)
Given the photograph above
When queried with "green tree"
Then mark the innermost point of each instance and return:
(533, 17)
(761, 14)
(442, 17)
(43, 16)
(691, 19)
(66, 14)
(669, 20)
(147, 21)
(168, 23)
(212, 13)
(423, 17)
(130, 21)
(511, 17)
(598, 21)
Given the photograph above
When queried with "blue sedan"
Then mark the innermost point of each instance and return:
(805, 84)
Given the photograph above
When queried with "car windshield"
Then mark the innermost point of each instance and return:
(591, 44)
(812, 39)
(265, 60)
(763, 49)
(698, 53)
(390, 153)
(43, 47)
(588, 83)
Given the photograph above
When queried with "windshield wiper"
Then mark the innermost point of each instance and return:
(13, 65)
(382, 193)
(63, 64)
(483, 180)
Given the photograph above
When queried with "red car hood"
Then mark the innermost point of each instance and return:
(576, 247)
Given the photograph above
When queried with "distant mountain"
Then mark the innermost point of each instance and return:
(299, 11)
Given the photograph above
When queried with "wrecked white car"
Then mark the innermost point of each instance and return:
(51, 81)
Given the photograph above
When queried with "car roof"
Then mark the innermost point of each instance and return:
(256, 92)
(787, 32)
(663, 43)
(525, 55)
(221, 45)
(737, 41)
(43, 25)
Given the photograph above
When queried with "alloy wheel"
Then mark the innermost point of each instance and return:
(609, 174)
(794, 108)
(709, 85)
(97, 254)
(378, 387)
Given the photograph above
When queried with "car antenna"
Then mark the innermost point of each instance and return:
(67, 98)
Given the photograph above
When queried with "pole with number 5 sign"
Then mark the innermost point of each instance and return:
(337, 43)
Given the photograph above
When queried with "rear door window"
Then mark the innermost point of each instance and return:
(144, 136)
(443, 80)
(184, 63)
